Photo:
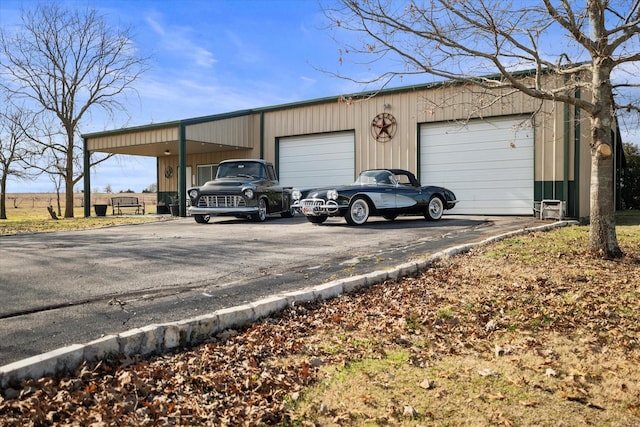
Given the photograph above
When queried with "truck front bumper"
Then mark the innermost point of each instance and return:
(192, 210)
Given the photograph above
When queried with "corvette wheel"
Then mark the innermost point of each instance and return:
(202, 219)
(358, 212)
(317, 219)
(434, 209)
(261, 216)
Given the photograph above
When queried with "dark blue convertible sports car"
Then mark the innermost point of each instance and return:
(377, 192)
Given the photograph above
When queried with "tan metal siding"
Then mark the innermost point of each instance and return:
(133, 138)
(235, 131)
(306, 120)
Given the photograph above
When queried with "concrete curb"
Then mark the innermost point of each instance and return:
(161, 338)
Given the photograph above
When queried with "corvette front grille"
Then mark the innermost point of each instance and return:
(319, 207)
(311, 203)
(221, 201)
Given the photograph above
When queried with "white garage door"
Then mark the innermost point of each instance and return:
(317, 160)
(487, 163)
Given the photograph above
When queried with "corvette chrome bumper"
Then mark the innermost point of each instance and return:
(315, 207)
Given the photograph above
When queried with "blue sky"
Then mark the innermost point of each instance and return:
(208, 57)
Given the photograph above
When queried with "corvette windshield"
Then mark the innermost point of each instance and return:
(376, 177)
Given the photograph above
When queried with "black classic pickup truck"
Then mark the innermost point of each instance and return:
(244, 188)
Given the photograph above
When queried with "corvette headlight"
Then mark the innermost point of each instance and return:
(193, 193)
(296, 194)
(248, 193)
(332, 195)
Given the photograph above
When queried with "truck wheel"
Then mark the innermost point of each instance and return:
(261, 216)
(288, 214)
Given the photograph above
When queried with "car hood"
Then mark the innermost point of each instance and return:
(226, 183)
(320, 192)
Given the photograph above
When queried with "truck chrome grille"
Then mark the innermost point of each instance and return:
(208, 201)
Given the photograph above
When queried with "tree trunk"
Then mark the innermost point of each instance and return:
(68, 199)
(58, 200)
(3, 197)
(602, 233)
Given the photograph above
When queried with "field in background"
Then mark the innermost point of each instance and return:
(42, 200)
(27, 212)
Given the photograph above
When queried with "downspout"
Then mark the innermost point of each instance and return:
(418, 154)
(262, 136)
(614, 146)
(565, 155)
(543, 168)
(182, 168)
(158, 183)
(554, 150)
(577, 141)
(87, 180)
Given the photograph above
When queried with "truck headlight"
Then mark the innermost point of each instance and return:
(296, 194)
(193, 193)
(248, 193)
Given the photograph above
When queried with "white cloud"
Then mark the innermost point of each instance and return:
(202, 57)
(177, 43)
(155, 25)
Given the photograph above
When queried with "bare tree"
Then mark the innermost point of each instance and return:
(51, 154)
(66, 62)
(57, 183)
(14, 148)
(488, 43)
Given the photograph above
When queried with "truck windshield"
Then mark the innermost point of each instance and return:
(241, 169)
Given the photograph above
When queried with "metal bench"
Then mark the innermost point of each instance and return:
(117, 203)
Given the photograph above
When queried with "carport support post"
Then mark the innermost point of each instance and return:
(182, 170)
(87, 180)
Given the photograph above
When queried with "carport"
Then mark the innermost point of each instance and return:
(208, 134)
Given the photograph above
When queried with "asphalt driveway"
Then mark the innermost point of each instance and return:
(62, 288)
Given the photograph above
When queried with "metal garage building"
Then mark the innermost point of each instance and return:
(499, 160)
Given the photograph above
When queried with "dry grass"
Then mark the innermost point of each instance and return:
(530, 331)
(27, 213)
